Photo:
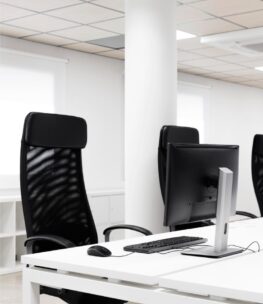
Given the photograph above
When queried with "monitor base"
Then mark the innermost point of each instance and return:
(211, 253)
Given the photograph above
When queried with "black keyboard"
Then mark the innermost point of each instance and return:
(165, 244)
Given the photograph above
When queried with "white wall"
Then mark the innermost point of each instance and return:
(235, 116)
(94, 91)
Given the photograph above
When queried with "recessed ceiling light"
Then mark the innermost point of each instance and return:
(180, 35)
(260, 68)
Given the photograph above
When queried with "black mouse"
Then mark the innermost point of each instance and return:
(99, 251)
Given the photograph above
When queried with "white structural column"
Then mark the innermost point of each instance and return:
(150, 103)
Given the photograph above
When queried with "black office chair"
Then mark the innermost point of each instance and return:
(257, 174)
(172, 134)
(186, 135)
(256, 168)
(180, 135)
(55, 205)
(257, 171)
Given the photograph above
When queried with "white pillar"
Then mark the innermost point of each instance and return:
(150, 103)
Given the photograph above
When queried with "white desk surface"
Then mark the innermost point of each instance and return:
(237, 278)
(142, 268)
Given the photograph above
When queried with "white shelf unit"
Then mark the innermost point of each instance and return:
(12, 234)
(107, 207)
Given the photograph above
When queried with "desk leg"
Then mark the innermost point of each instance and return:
(31, 290)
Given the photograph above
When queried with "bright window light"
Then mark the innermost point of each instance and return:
(28, 84)
(180, 35)
(190, 112)
(192, 108)
(260, 68)
(22, 91)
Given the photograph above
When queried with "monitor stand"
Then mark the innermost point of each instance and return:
(224, 200)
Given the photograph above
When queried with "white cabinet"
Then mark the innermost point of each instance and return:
(12, 233)
(107, 209)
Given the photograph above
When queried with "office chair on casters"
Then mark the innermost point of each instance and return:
(256, 169)
(55, 205)
(257, 176)
(184, 135)
(180, 135)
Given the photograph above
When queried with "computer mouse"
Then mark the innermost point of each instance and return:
(99, 251)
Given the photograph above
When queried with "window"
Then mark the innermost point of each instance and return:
(28, 83)
(192, 108)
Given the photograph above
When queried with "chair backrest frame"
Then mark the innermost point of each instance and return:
(257, 169)
(53, 192)
(172, 134)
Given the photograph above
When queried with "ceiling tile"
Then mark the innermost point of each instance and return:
(85, 13)
(242, 72)
(253, 63)
(188, 1)
(195, 70)
(228, 7)
(40, 5)
(184, 56)
(235, 58)
(260, 81)
(115, 42)
(49, 39)
(41, 23)
(254, 77)
(252, 83)
(237, 79)
(115, 25)
(182, 66)
(207, 27)
(9, 12)
(118, 5)
(118, 54)
(186, 13)
(217, 75)
(250, 20)
(84, 33)
(211, 52)
(86, 47)
(13, 31)
(259, 84)
(206, 62)
(190, 44)
(224, 67)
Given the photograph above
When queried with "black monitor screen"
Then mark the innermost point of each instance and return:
(192, 181)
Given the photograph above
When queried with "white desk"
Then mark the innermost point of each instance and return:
(236, 279)
(134, 278)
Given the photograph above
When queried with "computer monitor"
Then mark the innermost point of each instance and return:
(201, 183)
(192, 181)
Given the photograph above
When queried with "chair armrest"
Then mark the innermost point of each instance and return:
(247, 214)
(65, 243)
(108, 230)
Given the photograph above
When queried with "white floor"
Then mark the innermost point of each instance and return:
(11, 291)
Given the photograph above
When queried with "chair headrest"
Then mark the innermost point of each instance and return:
(175, 134)
(54, 131)
(258, 144)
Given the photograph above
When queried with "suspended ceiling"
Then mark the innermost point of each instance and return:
(98, 27)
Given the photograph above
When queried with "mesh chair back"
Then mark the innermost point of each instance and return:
(52, 185)
(257, 169)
